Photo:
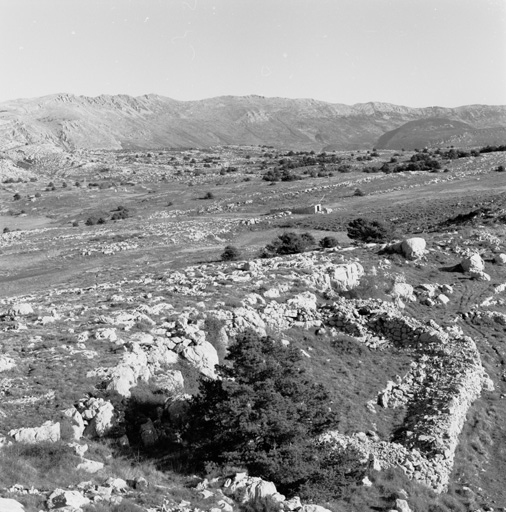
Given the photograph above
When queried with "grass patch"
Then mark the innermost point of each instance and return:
(42, 465)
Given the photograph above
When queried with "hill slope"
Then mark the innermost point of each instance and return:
(151, 121)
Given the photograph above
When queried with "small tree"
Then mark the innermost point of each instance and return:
(263, 414)
(230, 253)
(289, 243)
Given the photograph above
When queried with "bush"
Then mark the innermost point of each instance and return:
(208, 195)
(230, 253)
(358, 192)
(368, 230)
(289, 243)
(263, 414)
(328, 242)
(90, 221)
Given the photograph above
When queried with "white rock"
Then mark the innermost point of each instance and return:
(47, 432)
(79, 449)
(479, 275)
(90, 466)
(21, 309)
(103, 420)
(6, 363)
(60, 498)
(10, 505)
(272, 293)
(346, 276)
(500, 259)
(443, 299)
(402, 505)
(204, 357)
(107, 333)
(171, 381)
(313, 508)
(473, 263)
(403, 291)
(413, 248)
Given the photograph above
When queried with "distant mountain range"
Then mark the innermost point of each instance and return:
(152, 121)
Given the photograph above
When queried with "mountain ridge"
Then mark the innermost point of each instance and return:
(153, 121)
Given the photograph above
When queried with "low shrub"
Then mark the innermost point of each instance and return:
(328, 242)
(230, 253)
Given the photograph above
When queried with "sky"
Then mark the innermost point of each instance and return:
(416, 53)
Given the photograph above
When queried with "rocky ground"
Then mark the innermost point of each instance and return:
(105, 319)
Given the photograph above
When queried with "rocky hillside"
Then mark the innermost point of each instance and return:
(152, 121)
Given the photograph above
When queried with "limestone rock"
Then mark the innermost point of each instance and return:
(473, 263)
(102, 419)
(413, 248)
(204, 357)
(47, 432)
(60, 498)
(402, 505)
(6, 363)
(313, 508)
(21, 309)
(170, 382)
(500, 259)
(403, 291)
(10, 505)
(90, 466)
(346, 276)
(479, 275)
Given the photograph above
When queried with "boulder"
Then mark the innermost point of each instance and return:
(473, 263)
(10, 505)
(60, 498)
(170, 382)
(203, 356)
(313, 508)
(102, 421)
(21, 309)
(6, 363)
(479, 275)
(403, 291)
(252, 490)
(47, 432)
(413, 248)
(500, 259)
(346, 276)
(402, 505)
(90, 466)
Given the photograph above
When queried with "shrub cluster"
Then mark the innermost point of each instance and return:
(288, 243)
(369, 230)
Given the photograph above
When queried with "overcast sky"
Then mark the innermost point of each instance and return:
(408, 52)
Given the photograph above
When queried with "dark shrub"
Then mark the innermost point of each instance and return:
(368, 230)
(262, 415)
(230, 253)
(328, 242)
(289, 243)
